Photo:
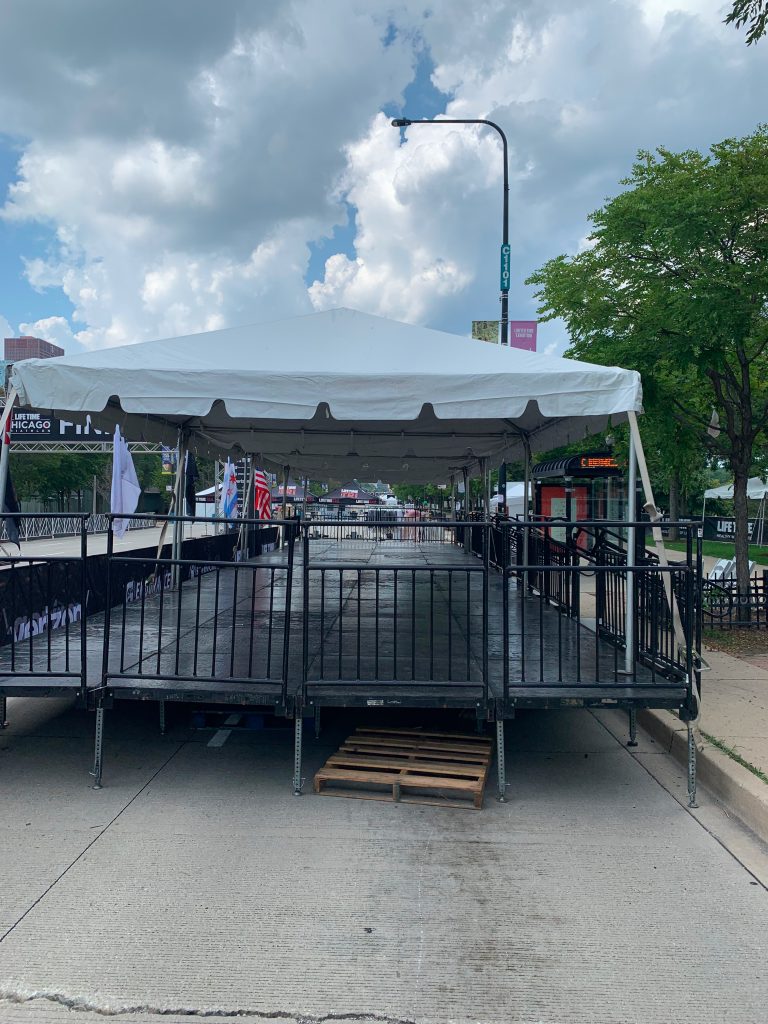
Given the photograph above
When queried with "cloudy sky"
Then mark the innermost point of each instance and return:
(170, 167)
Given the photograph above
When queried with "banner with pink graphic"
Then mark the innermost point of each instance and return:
(522, 334)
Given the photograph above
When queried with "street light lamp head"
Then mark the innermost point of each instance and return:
(401, 122)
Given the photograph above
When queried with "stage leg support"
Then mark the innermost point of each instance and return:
(298, 728)
(632, 727)
(98, 748)
(317, 721)
(3, 712)
(500, 764)
(162, 717)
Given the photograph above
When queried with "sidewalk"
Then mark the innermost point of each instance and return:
(734, 728)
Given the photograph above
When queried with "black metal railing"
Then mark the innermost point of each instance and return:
(405, 624)
(44, 606)
(580, 569)
(723, 607)
(221, 620)
(375, 524)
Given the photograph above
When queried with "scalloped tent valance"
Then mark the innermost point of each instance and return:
(339, 393)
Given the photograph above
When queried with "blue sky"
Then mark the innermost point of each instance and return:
(224, 164)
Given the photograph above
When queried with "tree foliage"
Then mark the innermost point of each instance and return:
(674, 283)
(753, 13)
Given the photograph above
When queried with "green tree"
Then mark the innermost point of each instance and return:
(54, 477)
(753, 13)
(675, 284)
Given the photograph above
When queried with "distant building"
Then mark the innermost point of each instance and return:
(28, 347)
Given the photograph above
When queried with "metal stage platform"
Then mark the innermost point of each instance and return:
(395, 619)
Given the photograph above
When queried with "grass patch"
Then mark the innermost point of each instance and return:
(730, 752)
(723, 549)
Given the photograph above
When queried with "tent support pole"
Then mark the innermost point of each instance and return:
(4, 448)
(286, 472)
(304, 500)
(485, 477)
(465, 473)
(526, 506)
(178, 524)
(631, 515)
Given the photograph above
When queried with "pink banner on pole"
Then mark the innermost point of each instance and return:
(522, 334)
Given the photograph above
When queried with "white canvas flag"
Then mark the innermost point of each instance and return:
(125, 492)
(229, 492)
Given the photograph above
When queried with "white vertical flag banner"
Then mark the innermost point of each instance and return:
(229, 492)
(124, 496)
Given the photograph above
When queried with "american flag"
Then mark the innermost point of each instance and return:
(261, 497)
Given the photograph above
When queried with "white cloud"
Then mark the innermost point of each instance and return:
(185, 171)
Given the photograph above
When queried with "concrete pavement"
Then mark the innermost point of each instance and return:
(196, 884)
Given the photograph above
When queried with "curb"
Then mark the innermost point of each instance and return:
(736, 787)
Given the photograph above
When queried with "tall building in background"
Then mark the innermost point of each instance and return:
(27, 347)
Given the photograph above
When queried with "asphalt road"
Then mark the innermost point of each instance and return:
(195, 884)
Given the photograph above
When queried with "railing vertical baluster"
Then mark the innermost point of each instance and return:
(431, 623)
(288, 610)
(141, 615)
(160, 620)
(359, 613)
(197, 624)
(84, 609)
(450, 624)
(108, 608)
(413, 624)
(322, 623)
(377, 573)
(217, 573)
(13, 622)
(48, 622)
(233, 634)
(269, 624)
(341, 623)
(305, 610)
(178, 621)
(251, 617)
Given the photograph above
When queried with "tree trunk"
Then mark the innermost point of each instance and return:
(674, 504)
(741, 513)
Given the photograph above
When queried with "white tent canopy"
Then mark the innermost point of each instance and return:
(757, 489)
(338, 393)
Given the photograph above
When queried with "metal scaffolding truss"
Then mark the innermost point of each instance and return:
(81, 447)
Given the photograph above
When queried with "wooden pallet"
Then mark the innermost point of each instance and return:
(409, 766)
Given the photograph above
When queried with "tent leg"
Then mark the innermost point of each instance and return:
(632, 728)
(691, 767)
(500, 765)
(97, 748)
(297, 731)
(161, 704)
(3, 712)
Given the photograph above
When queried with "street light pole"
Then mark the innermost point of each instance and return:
(405, 122)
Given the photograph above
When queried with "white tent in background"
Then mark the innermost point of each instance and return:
(515, 499)
(338, 393)
(757, 489)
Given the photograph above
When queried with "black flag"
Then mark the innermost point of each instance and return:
(191, 476)
(11, 504)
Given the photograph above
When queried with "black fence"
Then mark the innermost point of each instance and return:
(212, 616)
(723, 607)
(43, 606)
